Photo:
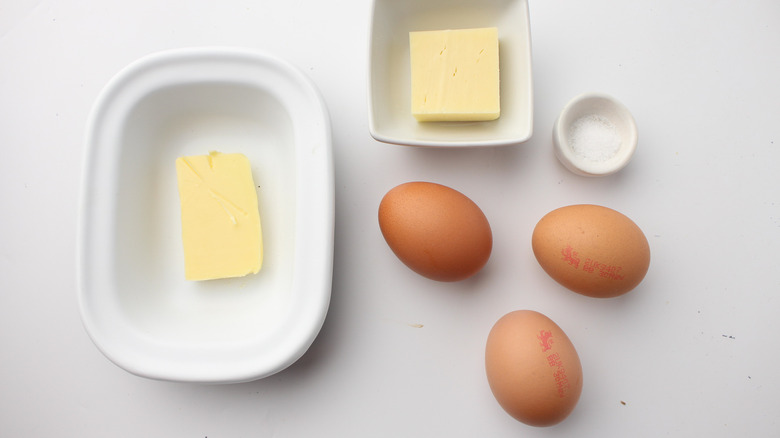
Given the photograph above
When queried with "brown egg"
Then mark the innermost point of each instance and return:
(592, 250)
(436, 231)
(532, 368)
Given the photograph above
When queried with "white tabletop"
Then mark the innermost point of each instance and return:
(693, 351)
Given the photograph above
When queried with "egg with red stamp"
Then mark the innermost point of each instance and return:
(435, 230)
(592, 250)
(533, 369)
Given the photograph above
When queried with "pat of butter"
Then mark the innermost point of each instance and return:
(220, 221)
(455, 75)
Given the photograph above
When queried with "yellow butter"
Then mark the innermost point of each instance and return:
(220, 221)
(455, 75)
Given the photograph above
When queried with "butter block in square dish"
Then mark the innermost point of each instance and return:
(220, 220)
(455, 75)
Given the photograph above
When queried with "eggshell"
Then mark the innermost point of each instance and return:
(592, 250)
(532, 368)
(436, 231)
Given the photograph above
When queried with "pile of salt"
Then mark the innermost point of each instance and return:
(594, 138)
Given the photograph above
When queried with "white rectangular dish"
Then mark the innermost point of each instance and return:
(134, 300)
(390, 116)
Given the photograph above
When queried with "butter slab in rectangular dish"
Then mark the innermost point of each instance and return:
(135, 302)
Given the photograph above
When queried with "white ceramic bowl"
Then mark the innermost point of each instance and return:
(135, 304)
(595, 135)
(389, 109)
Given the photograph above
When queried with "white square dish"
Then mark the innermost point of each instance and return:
(135, 303)
(389, 112)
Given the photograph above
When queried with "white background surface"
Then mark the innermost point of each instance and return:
(693, 351)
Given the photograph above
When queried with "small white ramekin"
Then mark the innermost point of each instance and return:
(603, 106)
